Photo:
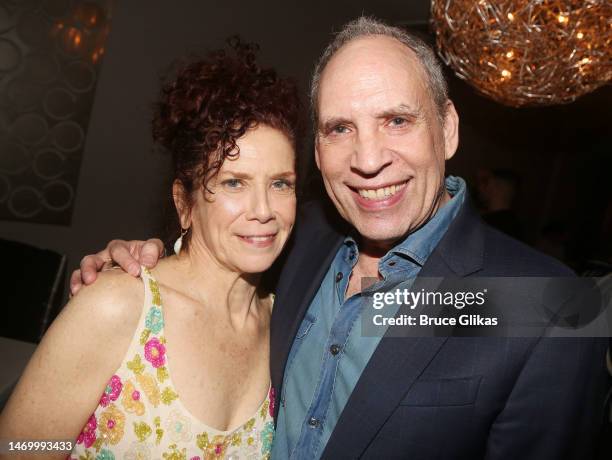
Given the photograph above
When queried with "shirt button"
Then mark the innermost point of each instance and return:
(339, 277)
(313, 422)
(334, 349)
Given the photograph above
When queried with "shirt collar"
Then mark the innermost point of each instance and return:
(419, 245)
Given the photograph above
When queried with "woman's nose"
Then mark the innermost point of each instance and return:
(260, 208)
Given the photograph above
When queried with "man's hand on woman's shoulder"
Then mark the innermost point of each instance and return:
(129, 255)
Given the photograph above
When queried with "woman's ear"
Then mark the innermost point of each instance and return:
(181, 203)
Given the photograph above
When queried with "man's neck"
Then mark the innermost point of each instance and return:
(370, 252)
(366, 266)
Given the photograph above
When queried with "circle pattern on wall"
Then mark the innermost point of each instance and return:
(50, 56)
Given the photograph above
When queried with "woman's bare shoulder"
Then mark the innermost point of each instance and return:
(114, 298)
(103, 315)
(86, 343)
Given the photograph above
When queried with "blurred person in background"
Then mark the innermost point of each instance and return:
(497, 190)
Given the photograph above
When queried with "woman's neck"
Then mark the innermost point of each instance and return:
(203, 278)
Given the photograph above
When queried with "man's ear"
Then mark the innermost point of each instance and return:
(181, 202)
(451, 131)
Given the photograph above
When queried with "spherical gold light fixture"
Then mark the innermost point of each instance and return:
(527, 52)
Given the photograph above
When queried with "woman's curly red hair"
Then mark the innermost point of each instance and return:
(212, 102)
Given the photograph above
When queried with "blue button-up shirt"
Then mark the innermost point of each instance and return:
(329, 352)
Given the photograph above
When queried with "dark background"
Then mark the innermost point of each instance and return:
(561, 153)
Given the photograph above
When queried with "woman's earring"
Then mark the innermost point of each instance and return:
(178, 244)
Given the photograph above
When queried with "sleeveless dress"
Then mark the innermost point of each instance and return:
(140, 415)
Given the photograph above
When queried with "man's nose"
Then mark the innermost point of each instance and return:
(370, 155)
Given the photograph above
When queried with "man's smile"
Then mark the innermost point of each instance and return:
(379, 192)
(379, 197)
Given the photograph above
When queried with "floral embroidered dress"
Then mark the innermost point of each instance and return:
(140, 415)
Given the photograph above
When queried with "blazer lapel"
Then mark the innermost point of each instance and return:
(394, 367)
(391, 371)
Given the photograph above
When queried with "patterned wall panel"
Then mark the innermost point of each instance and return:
(50, 56)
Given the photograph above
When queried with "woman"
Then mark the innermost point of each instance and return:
(175, 365)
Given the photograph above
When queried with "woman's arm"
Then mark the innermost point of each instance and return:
(62, 384)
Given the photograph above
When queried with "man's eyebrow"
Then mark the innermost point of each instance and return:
(402, 109)
(329, 123)
(284, 175)
(405, 110)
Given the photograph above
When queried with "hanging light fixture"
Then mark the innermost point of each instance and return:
(527, 52)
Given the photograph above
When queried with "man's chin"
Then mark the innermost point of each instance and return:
(384, 237)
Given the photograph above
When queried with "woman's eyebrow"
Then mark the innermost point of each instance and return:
(238, 174)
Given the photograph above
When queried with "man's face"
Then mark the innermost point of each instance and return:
(380, 145)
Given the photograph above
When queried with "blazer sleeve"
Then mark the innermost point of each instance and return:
(555, 408)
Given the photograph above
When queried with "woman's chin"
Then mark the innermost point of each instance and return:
(253, 267)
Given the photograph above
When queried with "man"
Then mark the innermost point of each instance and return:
(384, 129)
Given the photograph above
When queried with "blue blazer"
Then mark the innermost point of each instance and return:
(458, 397)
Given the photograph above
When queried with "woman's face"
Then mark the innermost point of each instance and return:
(245, 223)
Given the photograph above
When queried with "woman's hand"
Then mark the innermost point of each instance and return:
(129, 255)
